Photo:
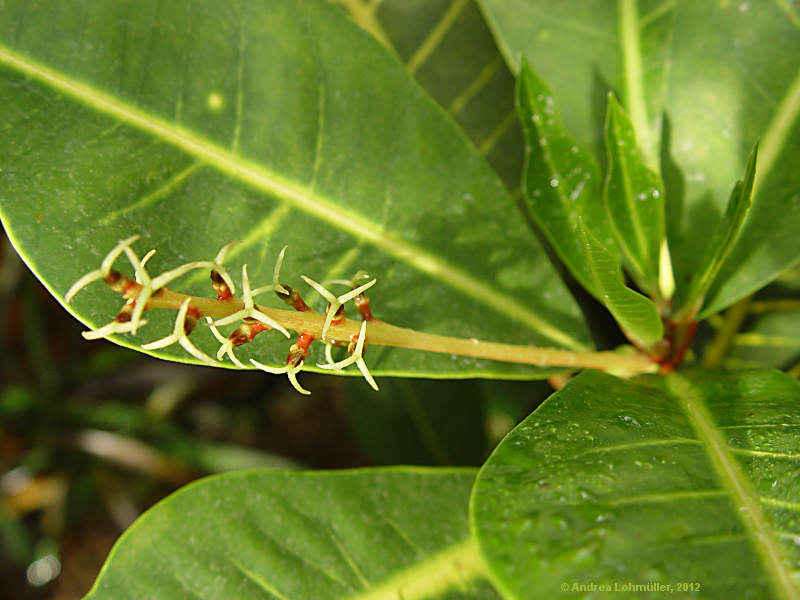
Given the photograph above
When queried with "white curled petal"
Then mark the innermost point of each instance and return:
(292, 375)
(162, 343)
(338, 366)
(321, 290)
(187, 345)
(353, 293)
(90, 277)
(112, 256)
(277, 272)
(259, 316)
(362, 366)
(167, 276)
(108, 329)
(273, 370)
(237, 316)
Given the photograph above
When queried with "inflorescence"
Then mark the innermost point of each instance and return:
(146, 292)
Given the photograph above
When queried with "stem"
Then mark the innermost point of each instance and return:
(734, 317)
(384, 334)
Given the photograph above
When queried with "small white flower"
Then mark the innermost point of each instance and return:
(290, 370)
(356, 357)
(249, 309)
(335, 302)
(102, 272)
(179, 335)
(226, 345)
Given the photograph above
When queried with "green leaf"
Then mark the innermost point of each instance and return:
(685, 478)
(724, 74)
(727, 232)
(195, 125)
(634, 198)
(347, 534)
(419, 422)
(450, 51)
(636, 314)
(560, 179)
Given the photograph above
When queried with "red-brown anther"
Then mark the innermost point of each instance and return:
(247, 331)
(298, 352)
(125, 314)
(190, 322)
(219, 285)
(338, 317)
(292, 298)
(362, 304)
(119, 282)
(351, 347)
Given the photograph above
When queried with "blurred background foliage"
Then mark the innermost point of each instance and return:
(92, 434)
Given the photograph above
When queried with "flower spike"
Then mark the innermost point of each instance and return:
(179, 334)
(249, 309)
(102, 272)
(356, 357)
(290, 370)
(335, 302)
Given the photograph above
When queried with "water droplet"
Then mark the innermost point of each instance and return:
(543, 141)
(577, 191)
(628, 419)
(554, 182)
(574, 149)
(641, 196)
(656, 193)
(535, 118)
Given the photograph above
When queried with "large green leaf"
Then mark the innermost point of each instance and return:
(723, 74)
(449, 50)
(396, 533)
(269, 123)
(687, 478)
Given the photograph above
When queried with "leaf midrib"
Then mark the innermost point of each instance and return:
(733, 480)
(299, 196)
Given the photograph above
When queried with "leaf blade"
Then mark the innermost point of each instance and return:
(634, 197)
(302, 171)
(636, 314)
(554, 163)
(639, 458)
(302, 535)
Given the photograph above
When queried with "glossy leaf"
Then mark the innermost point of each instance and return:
(636, 314)
(634, 198)
(723, 74)
(195, 125)
(560, 180)
(262, 534)
(726, 234)
(687, 478)
(449, 50)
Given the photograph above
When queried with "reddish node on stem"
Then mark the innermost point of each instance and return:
(219, 285)
(338, 317)
(292, 298)
(362, 304)
(247, 331)
(298, 352)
